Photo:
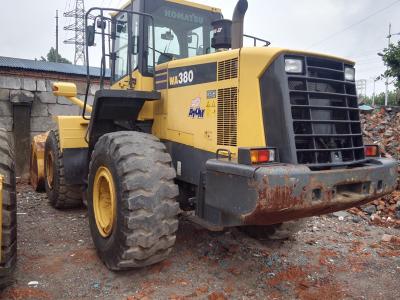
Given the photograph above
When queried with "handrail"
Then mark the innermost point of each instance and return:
(255, 39)
(88, 16)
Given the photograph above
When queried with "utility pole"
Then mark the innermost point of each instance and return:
(387, 68)
(56, 35)
(375, 79)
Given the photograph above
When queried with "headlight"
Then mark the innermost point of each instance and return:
(349, 73)
(293, 65)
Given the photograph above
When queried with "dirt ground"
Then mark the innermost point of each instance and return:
(330, 258)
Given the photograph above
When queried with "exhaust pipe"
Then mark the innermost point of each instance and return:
(237, 23)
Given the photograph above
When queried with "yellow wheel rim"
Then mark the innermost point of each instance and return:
(104, 204)
(49, 170)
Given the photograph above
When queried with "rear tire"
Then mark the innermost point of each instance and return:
(145, 216)
(59, 193)
(9, 212)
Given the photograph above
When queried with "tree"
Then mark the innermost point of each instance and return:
(53, 56)
(391, 58)
(393, 99)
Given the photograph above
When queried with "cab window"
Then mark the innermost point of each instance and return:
(180, 31)
(121, 43)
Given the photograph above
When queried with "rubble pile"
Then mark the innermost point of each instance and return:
(383, 212)
(382, 127)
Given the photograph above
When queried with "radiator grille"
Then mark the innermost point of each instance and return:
(227, 117)
(228, 69)
(324, 109)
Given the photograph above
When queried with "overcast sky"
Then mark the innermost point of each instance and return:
(354, 29)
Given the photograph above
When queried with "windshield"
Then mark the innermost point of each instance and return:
(180, 31)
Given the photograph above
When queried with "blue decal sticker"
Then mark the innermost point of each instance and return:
(195, 111)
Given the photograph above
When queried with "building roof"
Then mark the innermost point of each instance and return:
(45, 66)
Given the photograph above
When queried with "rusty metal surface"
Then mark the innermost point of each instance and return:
(286, 192)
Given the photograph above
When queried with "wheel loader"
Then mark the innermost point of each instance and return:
(8, 215)
(193, 120)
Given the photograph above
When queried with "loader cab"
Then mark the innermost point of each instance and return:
(181, 29)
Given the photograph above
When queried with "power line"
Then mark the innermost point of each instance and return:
(354, 24)
(78, 26)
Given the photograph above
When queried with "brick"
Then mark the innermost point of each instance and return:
(6, 123)
(63, 110)
(42, 124)
(5, 94)
(21, 96)
(5, 109)
(39, 109)
(47, 97)
(41, 86)
(29, 84)
(12, 83)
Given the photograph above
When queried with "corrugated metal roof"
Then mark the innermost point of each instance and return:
(44, 66)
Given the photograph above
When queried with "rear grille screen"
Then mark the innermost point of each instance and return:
(325, 114)
(227, 117)
(228, 69)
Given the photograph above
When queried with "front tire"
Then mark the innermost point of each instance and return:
(9, 212)
(133, 213)
(59, 193)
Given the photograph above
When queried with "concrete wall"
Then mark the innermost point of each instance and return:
(27, 107)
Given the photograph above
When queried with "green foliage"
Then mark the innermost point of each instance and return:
(393, 99)
(391, 58)
(53, 55)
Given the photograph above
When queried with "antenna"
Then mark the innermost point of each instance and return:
(56, 35)
(78, 26)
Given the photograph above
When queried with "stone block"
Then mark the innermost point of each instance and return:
(81, 87)
(5, 109)
(41, 86)
(63, 101)
(94, 88)
(90, 99)
(12, 83)
(42, 124)
(6, 123)
(5, 94)
(47, 97)
(39, 109)
(29, 84)
(63, 110)
(49, 85)
(21, 96)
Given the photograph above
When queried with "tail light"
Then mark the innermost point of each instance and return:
(371, 151)
(254, 156)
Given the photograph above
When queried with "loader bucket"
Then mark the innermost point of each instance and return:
(37, 162)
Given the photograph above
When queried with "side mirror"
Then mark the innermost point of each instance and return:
(102, 24)
(121, 27)
(168, 36)
(90, 35)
